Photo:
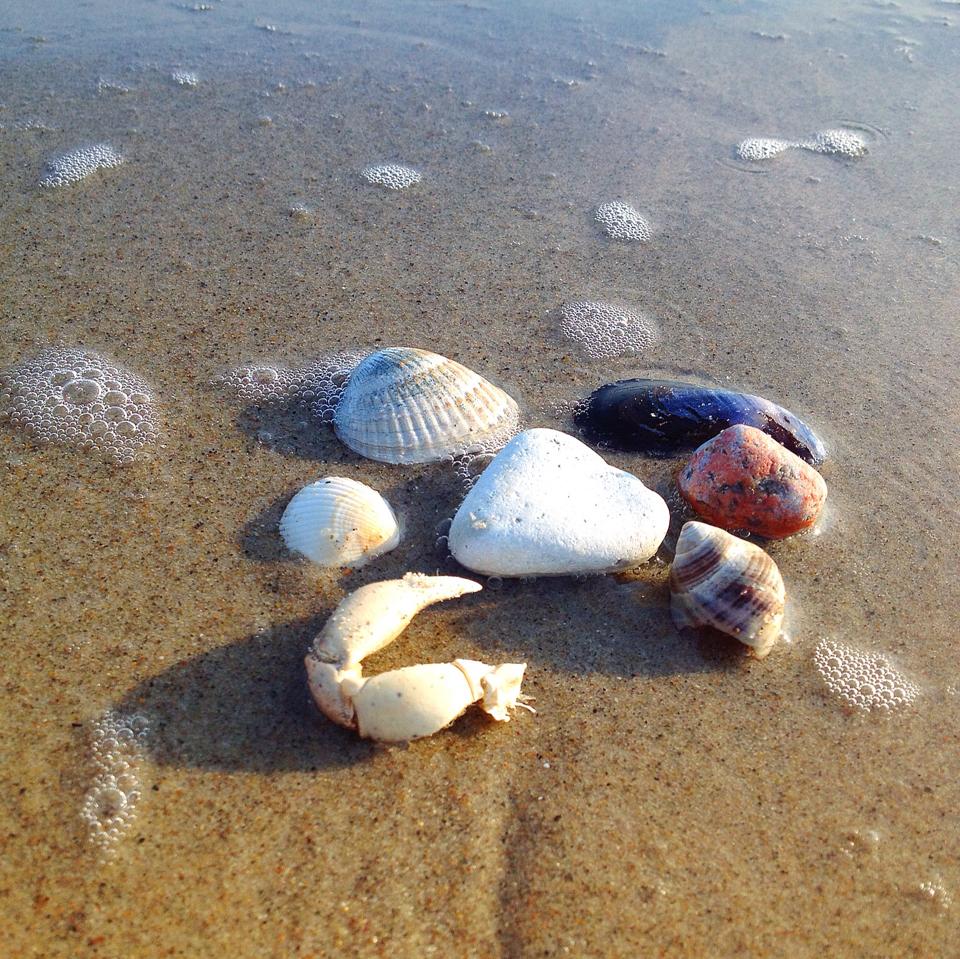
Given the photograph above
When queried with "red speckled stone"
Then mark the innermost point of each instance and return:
(743, 480)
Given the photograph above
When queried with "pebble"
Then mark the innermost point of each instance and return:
(744, 480)
(547, 505)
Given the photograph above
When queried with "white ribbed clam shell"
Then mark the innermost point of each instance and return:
(404, 405)
(339, 522)
(724, 582)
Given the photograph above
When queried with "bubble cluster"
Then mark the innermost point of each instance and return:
(29, 125)
(862, 680)
(844, 143)
(838, 142)
(935, 892)
(603, 330)
(116, 753)
(393, 176)
(105, 85)
(185, 78)
(763, 148)
(468, 465)
(318, 385)
(74, 166)
(76, 398)
(620, 221)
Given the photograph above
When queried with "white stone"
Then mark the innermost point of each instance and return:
(548, 505)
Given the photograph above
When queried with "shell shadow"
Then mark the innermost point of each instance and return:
(600, 624)
(289, 428)
(260, 537)
(244, 707)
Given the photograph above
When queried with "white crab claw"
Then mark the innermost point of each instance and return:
(375, 615)
(407, 703)
(327, 688)
(501, 690)
(418, 701)
(412, 702)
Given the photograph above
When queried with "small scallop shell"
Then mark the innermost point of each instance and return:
(727, 583)
(339, 522)
(403, 405)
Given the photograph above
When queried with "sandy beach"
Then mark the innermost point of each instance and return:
(671, 797)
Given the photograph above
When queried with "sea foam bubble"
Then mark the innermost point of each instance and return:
(604, 330)
(77, 398)
(77, 164)
(318, 385)
(620, 221)
(116, 755)
(393, 176)
(185, 78)
(763, 148)
(839, 142)
(862, 680)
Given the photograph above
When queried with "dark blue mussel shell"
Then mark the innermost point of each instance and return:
(664, 416)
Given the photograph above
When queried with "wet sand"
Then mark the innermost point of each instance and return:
(671, 797)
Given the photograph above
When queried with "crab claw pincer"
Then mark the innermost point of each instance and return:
(414, 701)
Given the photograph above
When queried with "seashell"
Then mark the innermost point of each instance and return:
(665, 416)
(547, 505)
(742, 479)
(721, 581)
(414, 701)
(339, 522)
(374, 615)
(404, 405)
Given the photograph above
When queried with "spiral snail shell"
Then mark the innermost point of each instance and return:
(726, 583)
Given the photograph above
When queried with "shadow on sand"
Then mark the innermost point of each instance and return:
(243, 706)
